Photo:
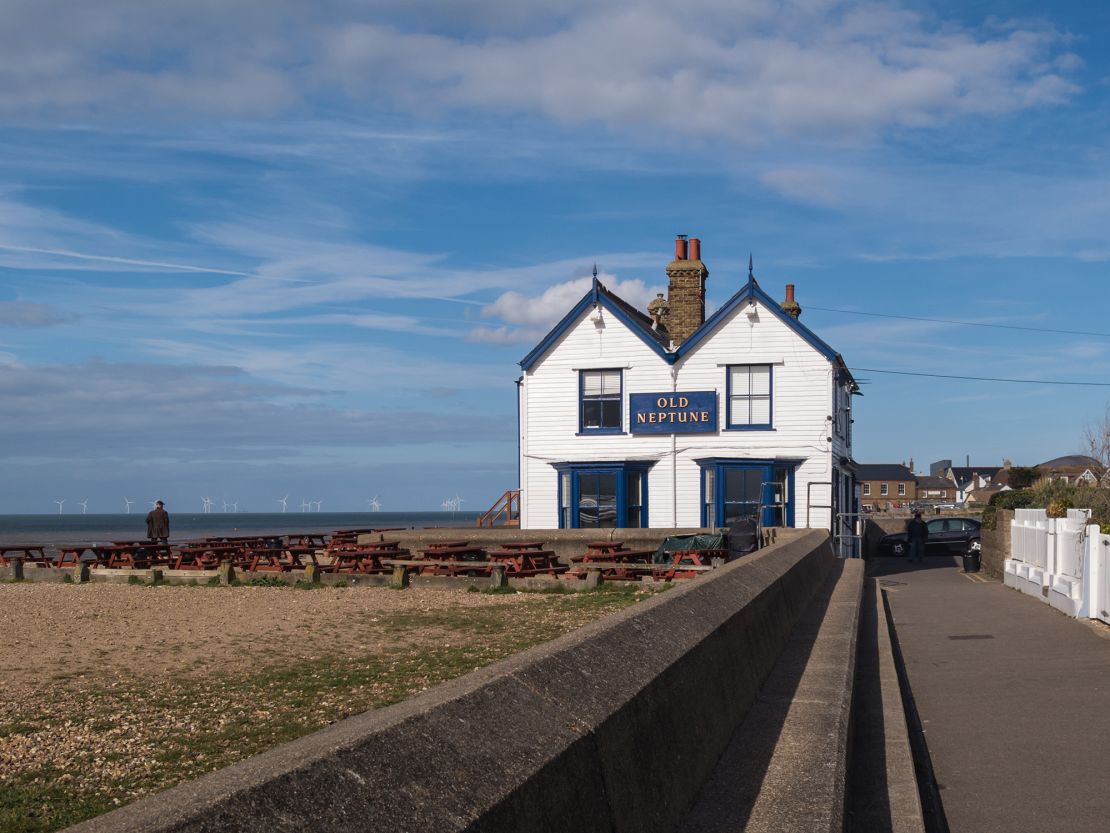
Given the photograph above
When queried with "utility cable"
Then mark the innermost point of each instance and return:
(981, 378)
(963, 323)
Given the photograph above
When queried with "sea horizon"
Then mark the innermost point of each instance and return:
(49, 530)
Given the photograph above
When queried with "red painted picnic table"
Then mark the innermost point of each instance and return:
(366, 558)
(137, 555)
(69, 555)
(611, 552)
(528, 559)
(27, 553)
(456, 558)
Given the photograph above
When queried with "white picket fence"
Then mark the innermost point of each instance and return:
(1064, 562)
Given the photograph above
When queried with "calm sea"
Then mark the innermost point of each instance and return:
(91, 529)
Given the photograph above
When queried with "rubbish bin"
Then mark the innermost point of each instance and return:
(971, 561)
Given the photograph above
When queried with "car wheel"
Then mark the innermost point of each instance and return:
(974, 545)
(899, 548)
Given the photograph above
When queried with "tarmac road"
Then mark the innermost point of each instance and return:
(1013, 699)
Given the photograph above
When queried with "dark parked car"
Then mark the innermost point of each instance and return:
(947, 536)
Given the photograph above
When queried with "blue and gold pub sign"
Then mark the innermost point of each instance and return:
(693, 412)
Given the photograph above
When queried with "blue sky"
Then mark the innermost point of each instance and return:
(253, 248)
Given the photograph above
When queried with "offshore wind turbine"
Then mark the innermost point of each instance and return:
(84, 504)
(284, 503)
(375, 504)
(319, 504)
(127, 505)
(305, 505)
(60, 503)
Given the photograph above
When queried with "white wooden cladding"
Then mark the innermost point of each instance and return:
(802, 404)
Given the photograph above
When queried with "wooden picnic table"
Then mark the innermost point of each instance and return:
(453, 558)
(447, 545)
(138, 555)
(521, 561)
(615, 557)
(69, 555)
(365, 558)
(33, 553)
(522, 545)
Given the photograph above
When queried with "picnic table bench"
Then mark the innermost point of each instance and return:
(615, 557)
(137, 555)
(528, 558)
(27, 553)
(452, 558)
(364, 558)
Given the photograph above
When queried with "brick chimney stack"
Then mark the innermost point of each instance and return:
(686, 289)
(790, 306)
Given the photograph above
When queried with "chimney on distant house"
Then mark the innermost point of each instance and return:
(790, 306)
(659, 310)
(685, 289)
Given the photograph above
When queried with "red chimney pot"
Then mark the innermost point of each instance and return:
(680, 247)
(695, 249)
(790, 293)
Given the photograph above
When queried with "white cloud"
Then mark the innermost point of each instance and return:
(555, 301)
(749, 69)
(806, 185)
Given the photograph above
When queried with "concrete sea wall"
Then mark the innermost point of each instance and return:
(615, 727)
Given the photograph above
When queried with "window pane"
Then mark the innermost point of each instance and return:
(591, 413)
(741, 382)
(610, 413)
(761, 380)
(591, 383)
(611, 382)
(634, 489)
(761, 411)
(740, 411)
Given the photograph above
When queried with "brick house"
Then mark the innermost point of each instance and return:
(883, 485)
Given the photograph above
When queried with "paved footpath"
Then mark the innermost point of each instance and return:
(1013, 698)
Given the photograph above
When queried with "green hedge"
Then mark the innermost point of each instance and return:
(1085, 497)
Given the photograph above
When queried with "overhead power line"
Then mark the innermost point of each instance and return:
(982, 378)
(963, 323)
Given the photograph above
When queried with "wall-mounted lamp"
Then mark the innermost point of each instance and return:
(751, 310)
(597, 317)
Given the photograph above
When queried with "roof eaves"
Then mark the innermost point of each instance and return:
(752, 290)
(598, 295)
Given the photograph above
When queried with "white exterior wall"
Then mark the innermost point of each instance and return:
(802, 401)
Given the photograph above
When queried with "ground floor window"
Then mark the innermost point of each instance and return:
(597, 495)
(735, 491)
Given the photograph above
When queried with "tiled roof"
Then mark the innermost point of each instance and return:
(883, 471)
(927, 481)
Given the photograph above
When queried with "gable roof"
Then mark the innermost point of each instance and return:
(882, 471)
(962, 474)
(659, 340)
(636, 321)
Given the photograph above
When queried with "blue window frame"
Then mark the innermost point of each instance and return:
(603, 495)
(600, 400)
(748, 396)
(734, 490)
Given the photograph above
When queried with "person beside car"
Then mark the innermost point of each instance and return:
(917, 531)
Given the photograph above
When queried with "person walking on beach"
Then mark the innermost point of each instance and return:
(158, 524)
(917, 531)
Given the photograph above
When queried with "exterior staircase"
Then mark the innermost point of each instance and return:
(504, 512)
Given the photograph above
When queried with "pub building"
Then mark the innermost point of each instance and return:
(665, 419)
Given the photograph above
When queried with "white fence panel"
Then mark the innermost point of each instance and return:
(1097, 593)
(1031, 536)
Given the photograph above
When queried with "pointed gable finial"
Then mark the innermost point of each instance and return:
(751, 273)
(595, 271)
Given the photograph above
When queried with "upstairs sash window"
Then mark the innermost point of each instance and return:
(749, 396)
(600, 401)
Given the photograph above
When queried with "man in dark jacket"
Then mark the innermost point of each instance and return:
(158, 524)
(917, 531)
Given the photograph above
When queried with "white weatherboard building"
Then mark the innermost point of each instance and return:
(670, 420)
